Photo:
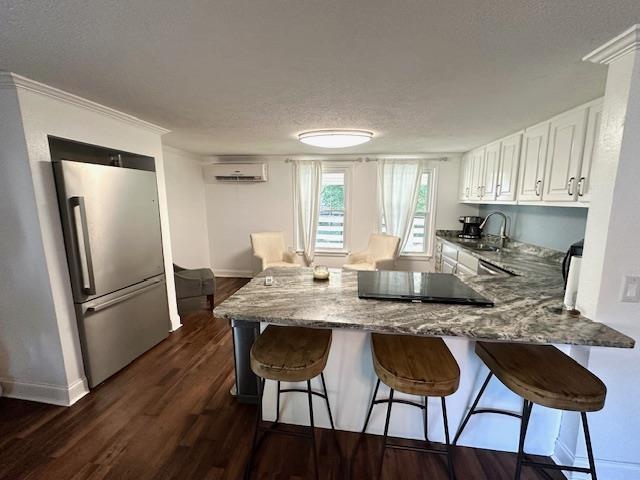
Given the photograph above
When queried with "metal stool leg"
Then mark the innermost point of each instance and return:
(425, 412)
(472, 409)
(587, 437)
(386, 430)
(526, 414)
(313, 436)
(247, 471)
(326, 398)
(278, 404)
(373, 399)
(446, 438)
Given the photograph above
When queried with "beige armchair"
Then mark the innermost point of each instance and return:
(270, 249)
(381, 254)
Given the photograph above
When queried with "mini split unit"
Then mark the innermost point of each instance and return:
(235, 172)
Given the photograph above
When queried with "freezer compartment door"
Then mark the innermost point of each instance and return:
(118, 328)
(111, 224)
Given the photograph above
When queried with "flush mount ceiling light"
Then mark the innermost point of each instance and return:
(335, 138)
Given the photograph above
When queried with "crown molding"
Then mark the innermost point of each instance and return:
(627, 42)
(12, 80)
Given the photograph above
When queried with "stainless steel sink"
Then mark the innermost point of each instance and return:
(483, 247)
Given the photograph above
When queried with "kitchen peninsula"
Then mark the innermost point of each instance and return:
(528, 309)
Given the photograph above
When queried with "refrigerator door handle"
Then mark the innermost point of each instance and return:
(86, 263)
(109, 303)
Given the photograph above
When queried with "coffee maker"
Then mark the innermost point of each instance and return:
(470, 227)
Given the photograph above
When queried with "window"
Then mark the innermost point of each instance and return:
(420, 236)
(333, 200)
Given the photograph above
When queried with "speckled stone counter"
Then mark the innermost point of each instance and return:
(527, 308)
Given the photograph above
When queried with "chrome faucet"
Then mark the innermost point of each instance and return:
(503, 228)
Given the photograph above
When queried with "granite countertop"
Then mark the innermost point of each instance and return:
(528, 308)
(517, 258)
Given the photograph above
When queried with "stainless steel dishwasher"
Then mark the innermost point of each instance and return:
(486, 268)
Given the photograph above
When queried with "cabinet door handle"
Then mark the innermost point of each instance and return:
(581, 186)
(537, 190)
(498, 189)
(570, 186)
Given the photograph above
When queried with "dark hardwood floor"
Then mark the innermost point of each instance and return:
(170, 415)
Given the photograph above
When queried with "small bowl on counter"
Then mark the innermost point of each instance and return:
(321, 273)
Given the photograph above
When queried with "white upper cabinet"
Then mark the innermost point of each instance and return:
(465, 177)
(549, 163)
(594, 121)
(532, 162)
(477, 173)
(507, 178)
(490, 172)
(564, 156)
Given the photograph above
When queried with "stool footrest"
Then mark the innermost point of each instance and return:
(395, 446)
(494, 410)
(399, 400)
(300, 390)
(568, 468)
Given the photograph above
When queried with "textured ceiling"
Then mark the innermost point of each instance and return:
(244, 76)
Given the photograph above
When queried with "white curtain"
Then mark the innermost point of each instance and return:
(398, 187)
(307, 181)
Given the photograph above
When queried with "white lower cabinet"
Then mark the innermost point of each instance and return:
(453, 259)
(448, 265)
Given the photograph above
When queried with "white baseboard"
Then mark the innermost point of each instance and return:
(234, 273)
(606, 469)
(176, 322)
(45, 393)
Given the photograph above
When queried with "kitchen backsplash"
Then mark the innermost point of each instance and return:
(550, 227)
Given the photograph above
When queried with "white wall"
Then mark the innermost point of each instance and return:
(235, 211)
(42, 357)
(611, 252)
(29, 338)
(187, 208)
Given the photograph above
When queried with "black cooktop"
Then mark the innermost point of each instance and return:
(418, 287)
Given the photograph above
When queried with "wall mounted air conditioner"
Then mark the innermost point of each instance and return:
(235, 172)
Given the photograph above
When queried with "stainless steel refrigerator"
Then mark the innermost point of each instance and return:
(111, 226)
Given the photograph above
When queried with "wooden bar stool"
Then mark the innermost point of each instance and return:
(543, 375)
(420, 366)
(290, 354)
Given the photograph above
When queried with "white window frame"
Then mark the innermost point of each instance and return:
(346, 169)
(333, 167)
(430, 218)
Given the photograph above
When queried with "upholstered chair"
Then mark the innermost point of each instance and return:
(198, 282)
(270, 249)
(381, 254)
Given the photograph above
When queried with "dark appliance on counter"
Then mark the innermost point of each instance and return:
(470, 227)
(418, 287)
(575, 250)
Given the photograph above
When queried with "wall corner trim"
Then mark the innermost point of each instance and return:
(605, 468)
(45, 393)
(627, 42)
(12, 80)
